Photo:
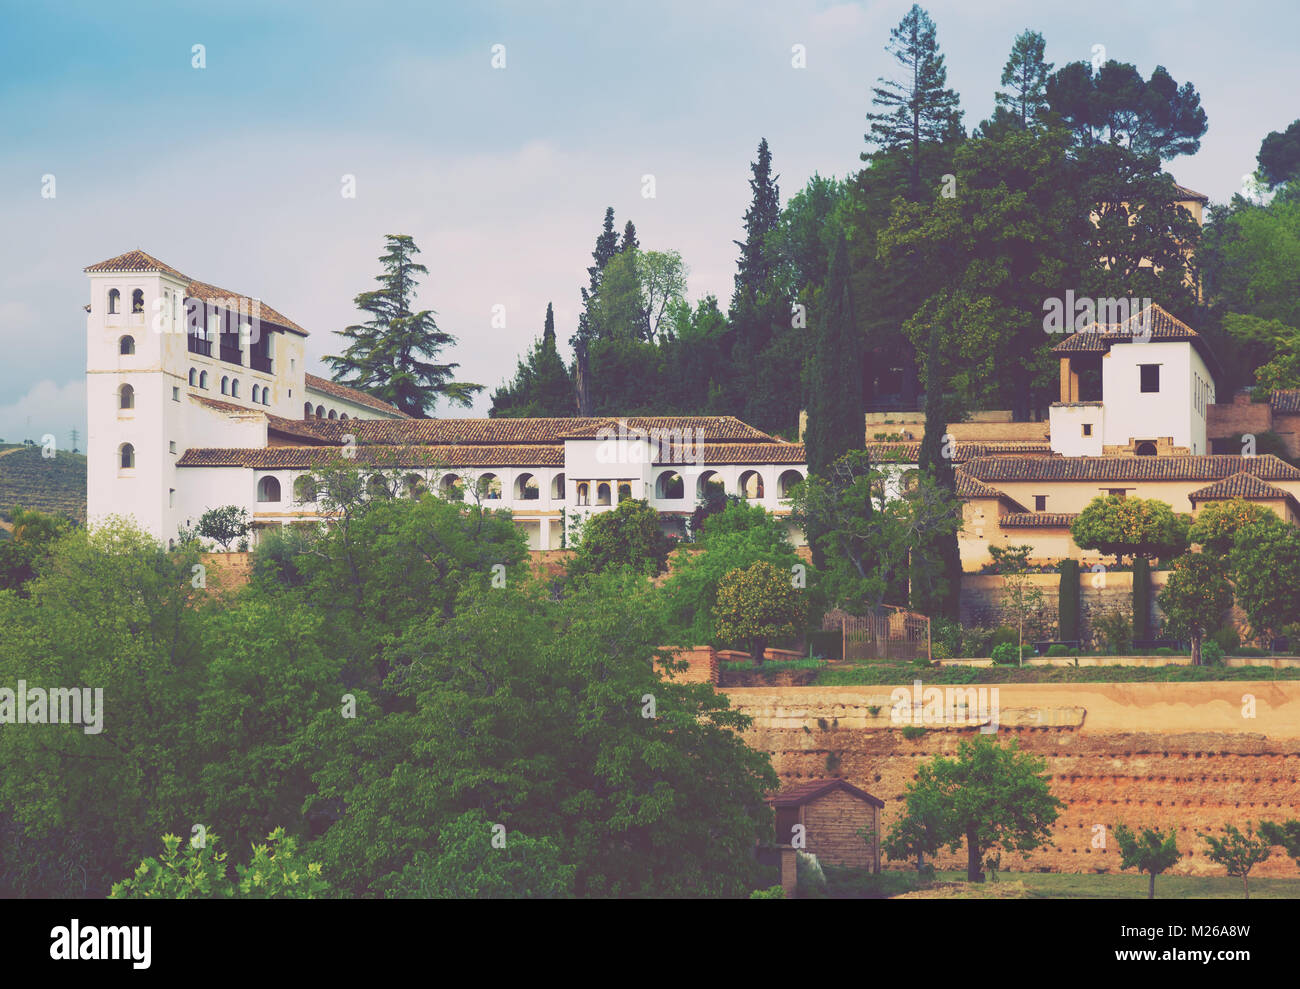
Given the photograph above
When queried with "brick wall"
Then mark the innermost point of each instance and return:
(1177, 755)
(1239, 416)
(833, 822)
(703, 665)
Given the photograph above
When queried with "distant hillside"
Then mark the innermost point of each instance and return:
(28, 480)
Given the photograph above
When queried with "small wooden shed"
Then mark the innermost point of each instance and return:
(833, 813)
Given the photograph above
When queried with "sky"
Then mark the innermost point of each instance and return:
(234, 172)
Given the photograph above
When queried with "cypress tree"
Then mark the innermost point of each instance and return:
(836, 423)
(1141, 598)
(606, 248)
(1068, 601)
(541, 386)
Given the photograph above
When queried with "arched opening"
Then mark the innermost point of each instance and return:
(557, 487)
(306, 410)
(451, 488)
(114, 297)
(333, 414)
(203, 380)
(126, 397)
(257, 394)
(786, 482)
(1145, 449)
(225, 385)
(266, 395)
(234, 387)
(584, 497)
(526, 488)
(268, 489)
(304, 489)
(670, 486)
(343, 417)
(194, 377)
(751, 484)
(137, 301)
(489, 487)
(624, 492)
(126, 345)
(602, 494)
(709, 484)
(126, 456)
(320, 412)
(415, 485)
(377, 486)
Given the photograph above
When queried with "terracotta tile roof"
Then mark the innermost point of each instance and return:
(1285, 402)
(1037, 520)
(346, 394)
(734, 453)
(307, 457)
(1164, 327)
(969, 487)
(224, 406)
(139, 261)
(797, 794)
(512, 432)
(910, 453)
(293, 428)
(1186, 193)
(1240, 485)
(718, 429)
(1198, 468)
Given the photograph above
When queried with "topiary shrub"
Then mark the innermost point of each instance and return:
(1006, 654)
(1060, 650)
(1163, 651)
(1003, 635)
(1141, 598)
(1068, 601)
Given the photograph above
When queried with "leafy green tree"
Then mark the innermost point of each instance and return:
(472, 863)
(925, 827)
(224, 525)
(200, 872)
(542, 386)
(1153, 852)
(1216, 526)
(1286, 834)
(630, 535)
(919, 108)
(1123, 527)
(1279, 155)
(1238, 853)
(1265, 566)
(31, 540)
(734, 539)
(1195, 598)
(1022, 598)
(992, 796)
(384, 354)
(756, 605)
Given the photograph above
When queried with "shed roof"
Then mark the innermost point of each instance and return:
(797, 794)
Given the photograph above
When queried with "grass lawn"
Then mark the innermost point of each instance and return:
(852, 884)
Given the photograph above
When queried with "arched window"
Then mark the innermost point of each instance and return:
(582, 494)
(137, 301)
(751, 484)
(786, 482)
(126, 397)
(557, 487)
(320, 412)
(451, 488)
(489, 487)
(234, 387)
(203, 379)
(343, 417)
(126, 455)
(333, 414)
(266, 395)
(126, 345)
(1145, 449)
(257, 394)
(670, 486)
(304, 490)
(415, 485)
(710, 484)
(225, 384)
(114, 296)
(268, 489)
(526, 488)
(194, 377)
(377, 487)
(306, 410)
(624, 492)
(602, 494)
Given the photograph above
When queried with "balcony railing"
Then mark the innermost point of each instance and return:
(259, 363)
(197, 345)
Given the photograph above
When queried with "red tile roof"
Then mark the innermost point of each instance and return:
(139, 261)
(1163, 327)
(969, 487)
(1240, 485)
(797, 794)
(346, 394)
(910, 453)
(1186, 193)
(734, 453)
(720, 429)
(310, 457)
(1285, 402)
(1198, 468)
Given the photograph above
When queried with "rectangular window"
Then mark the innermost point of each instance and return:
(176, 394)
(1117, 492)
(171, 497)
(1150, 377)
(1040, 503)
(1087, 429)
(171, 446)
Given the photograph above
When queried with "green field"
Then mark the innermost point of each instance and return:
(56, 485)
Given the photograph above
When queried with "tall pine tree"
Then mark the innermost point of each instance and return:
(836, 423)
(919, 108)
(1025, 76)
(756, 266)
(542, 385)
(383, 356)
(606, 248)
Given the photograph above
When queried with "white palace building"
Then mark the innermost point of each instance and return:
(198, 397)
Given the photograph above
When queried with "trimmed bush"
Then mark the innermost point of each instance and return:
(1211, 653)
(1141, 598)
(1003, 635)
(1068, 603)
(1005, 654)
(1227, 639)
(1060, 650)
